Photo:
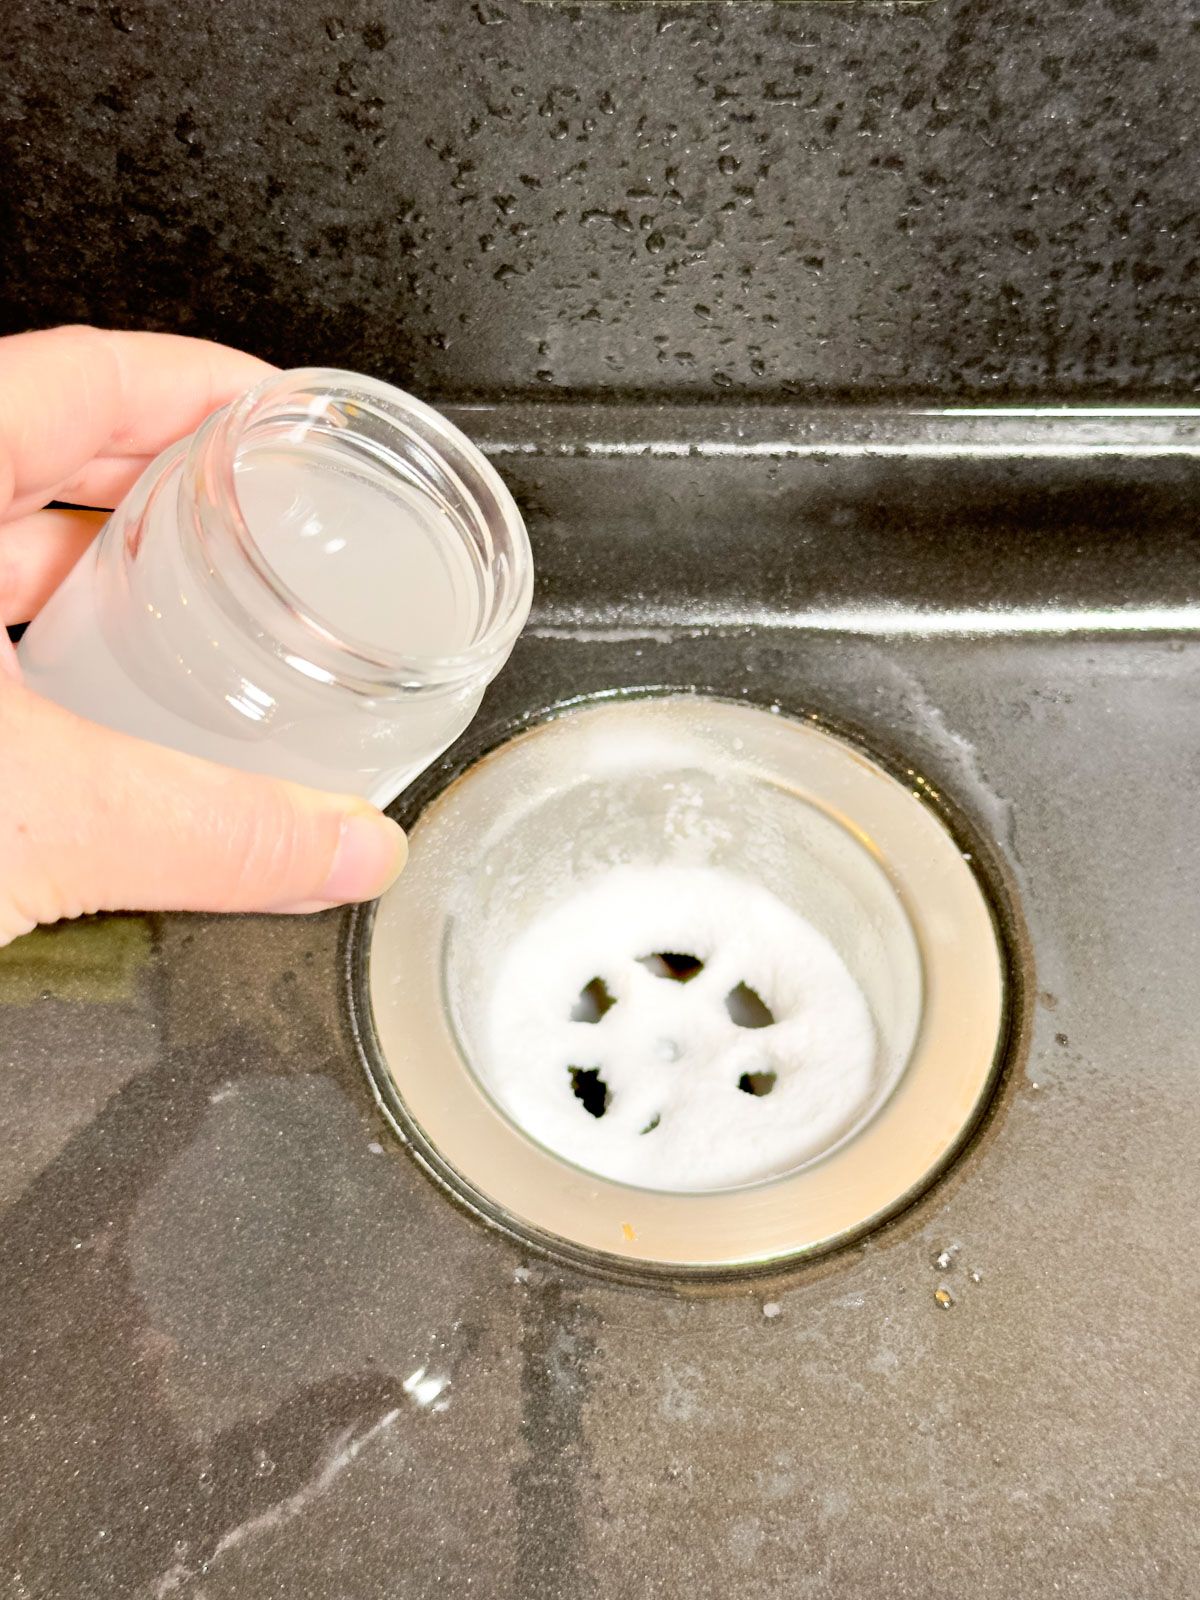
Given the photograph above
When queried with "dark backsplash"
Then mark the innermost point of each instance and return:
(973, 198)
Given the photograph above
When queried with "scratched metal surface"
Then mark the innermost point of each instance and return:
(248, 1350)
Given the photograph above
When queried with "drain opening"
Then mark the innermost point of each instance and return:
(757, 1083)
(672, 964)
(748, 1009)
(594, 1001)
(590, 1089)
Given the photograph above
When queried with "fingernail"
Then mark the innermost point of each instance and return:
(370, 856)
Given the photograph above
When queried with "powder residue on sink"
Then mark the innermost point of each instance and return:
(679, 1028)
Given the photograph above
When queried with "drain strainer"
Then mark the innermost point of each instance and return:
(682, 983)
(641, 998)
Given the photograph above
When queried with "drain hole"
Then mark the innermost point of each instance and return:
(756, 1083)
(672, 964)
(590, 1088)
(653, 1123)
(748, 1010)
(594, 1000)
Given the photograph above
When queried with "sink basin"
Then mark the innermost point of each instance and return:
(250, 1349)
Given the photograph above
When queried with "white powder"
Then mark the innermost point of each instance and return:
(669, 1053)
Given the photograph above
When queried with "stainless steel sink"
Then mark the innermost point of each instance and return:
(249, 1349)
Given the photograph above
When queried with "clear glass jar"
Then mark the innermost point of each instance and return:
(319, 583)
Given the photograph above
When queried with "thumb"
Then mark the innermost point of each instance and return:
(92, 820)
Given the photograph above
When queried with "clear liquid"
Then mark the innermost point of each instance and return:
(376, 563)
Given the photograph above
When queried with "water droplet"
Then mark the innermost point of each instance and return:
(943, 1261)
(771, 1308)
(976, 1275)
(944, 1298)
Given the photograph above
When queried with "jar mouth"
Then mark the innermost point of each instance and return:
(368, 432)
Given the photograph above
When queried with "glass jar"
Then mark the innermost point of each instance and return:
(319, 583)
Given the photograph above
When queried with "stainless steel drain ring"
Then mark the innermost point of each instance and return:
(505, 816)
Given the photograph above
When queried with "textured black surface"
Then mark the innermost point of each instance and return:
(974, 197)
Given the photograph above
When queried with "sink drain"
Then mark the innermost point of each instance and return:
(682, 984)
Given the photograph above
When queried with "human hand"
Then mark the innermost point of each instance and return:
(92, 820)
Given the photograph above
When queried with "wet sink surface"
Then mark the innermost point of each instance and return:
(248, 1350)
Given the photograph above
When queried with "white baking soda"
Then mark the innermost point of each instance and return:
(679, 1028)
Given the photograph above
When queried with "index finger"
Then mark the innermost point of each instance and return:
(82, 411)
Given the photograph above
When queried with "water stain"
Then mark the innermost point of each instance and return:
(94, 959)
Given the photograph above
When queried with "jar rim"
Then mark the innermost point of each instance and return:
(484, 500)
